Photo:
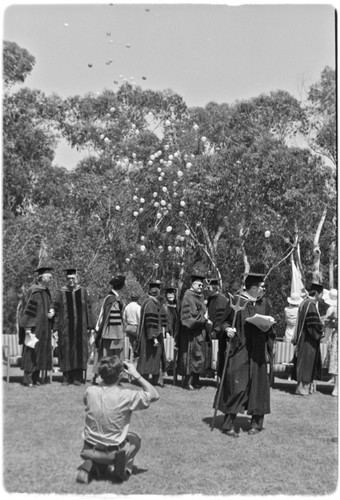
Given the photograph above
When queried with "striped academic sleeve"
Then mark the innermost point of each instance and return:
(192, 316)
(31, 308)
(28, 318)
(164, 319)
(152, 321)
(313, 324)
(115, 318)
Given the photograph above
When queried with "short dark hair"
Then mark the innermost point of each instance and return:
(110, 368)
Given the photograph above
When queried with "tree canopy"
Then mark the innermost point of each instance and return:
(166, 189)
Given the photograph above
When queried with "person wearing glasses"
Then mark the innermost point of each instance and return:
(192, 334)
(246, 385)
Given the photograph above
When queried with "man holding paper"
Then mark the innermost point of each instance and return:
(250, 333)
(35, 329)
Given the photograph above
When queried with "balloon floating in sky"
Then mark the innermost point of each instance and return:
(65, 24)
(108, 33)
(128, 46)
(143, 77)
(90, 65)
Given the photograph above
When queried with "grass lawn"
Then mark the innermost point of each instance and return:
(296, 453)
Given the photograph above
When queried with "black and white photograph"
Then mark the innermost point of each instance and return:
(169, 249)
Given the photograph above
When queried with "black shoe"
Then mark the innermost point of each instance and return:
(189, 387)
(37, 383)
(27, 384)
(83, 476)
(99, 471)
(120, 462)
(253, 431)
(76, 382)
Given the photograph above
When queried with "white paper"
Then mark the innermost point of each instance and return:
(261, 321)
(31, 340)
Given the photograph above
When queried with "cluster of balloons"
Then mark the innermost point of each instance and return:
(167, 197)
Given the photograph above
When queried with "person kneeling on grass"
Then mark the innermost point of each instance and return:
(109, 446)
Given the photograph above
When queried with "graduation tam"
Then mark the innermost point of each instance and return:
(155, 284)
(317, 287)
(117, 282)
(253, 279)
(42, 270)
(197, 277)
(71, 271)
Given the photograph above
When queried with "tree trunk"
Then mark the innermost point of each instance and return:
(317, 274)
(244, 253)
(331, 265)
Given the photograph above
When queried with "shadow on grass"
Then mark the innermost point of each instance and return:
(240, 422)
(110, 476)
(289, 386)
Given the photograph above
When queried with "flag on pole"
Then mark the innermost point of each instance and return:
(297, 285)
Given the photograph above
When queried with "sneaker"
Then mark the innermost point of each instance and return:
(84, 471)
(83, 476)
(301, 392)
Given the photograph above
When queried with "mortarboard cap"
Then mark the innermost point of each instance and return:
(197, 277)
(71, 271)
(253, 278)
(117, 282)
(171, 289)
(42, 270)
(155, 284)
(317, 287)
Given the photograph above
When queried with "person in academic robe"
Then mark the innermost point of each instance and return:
(216, 304)
(109, 330)
(171, 311)
(35, 329)
(150, 347)
(307, 337)
(192, 334)
(246, 385)
(74, 323)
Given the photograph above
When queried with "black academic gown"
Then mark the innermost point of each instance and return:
(246, 384)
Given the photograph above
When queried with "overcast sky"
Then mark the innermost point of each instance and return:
(204, 52)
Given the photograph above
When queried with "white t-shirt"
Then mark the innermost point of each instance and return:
(131, 315)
